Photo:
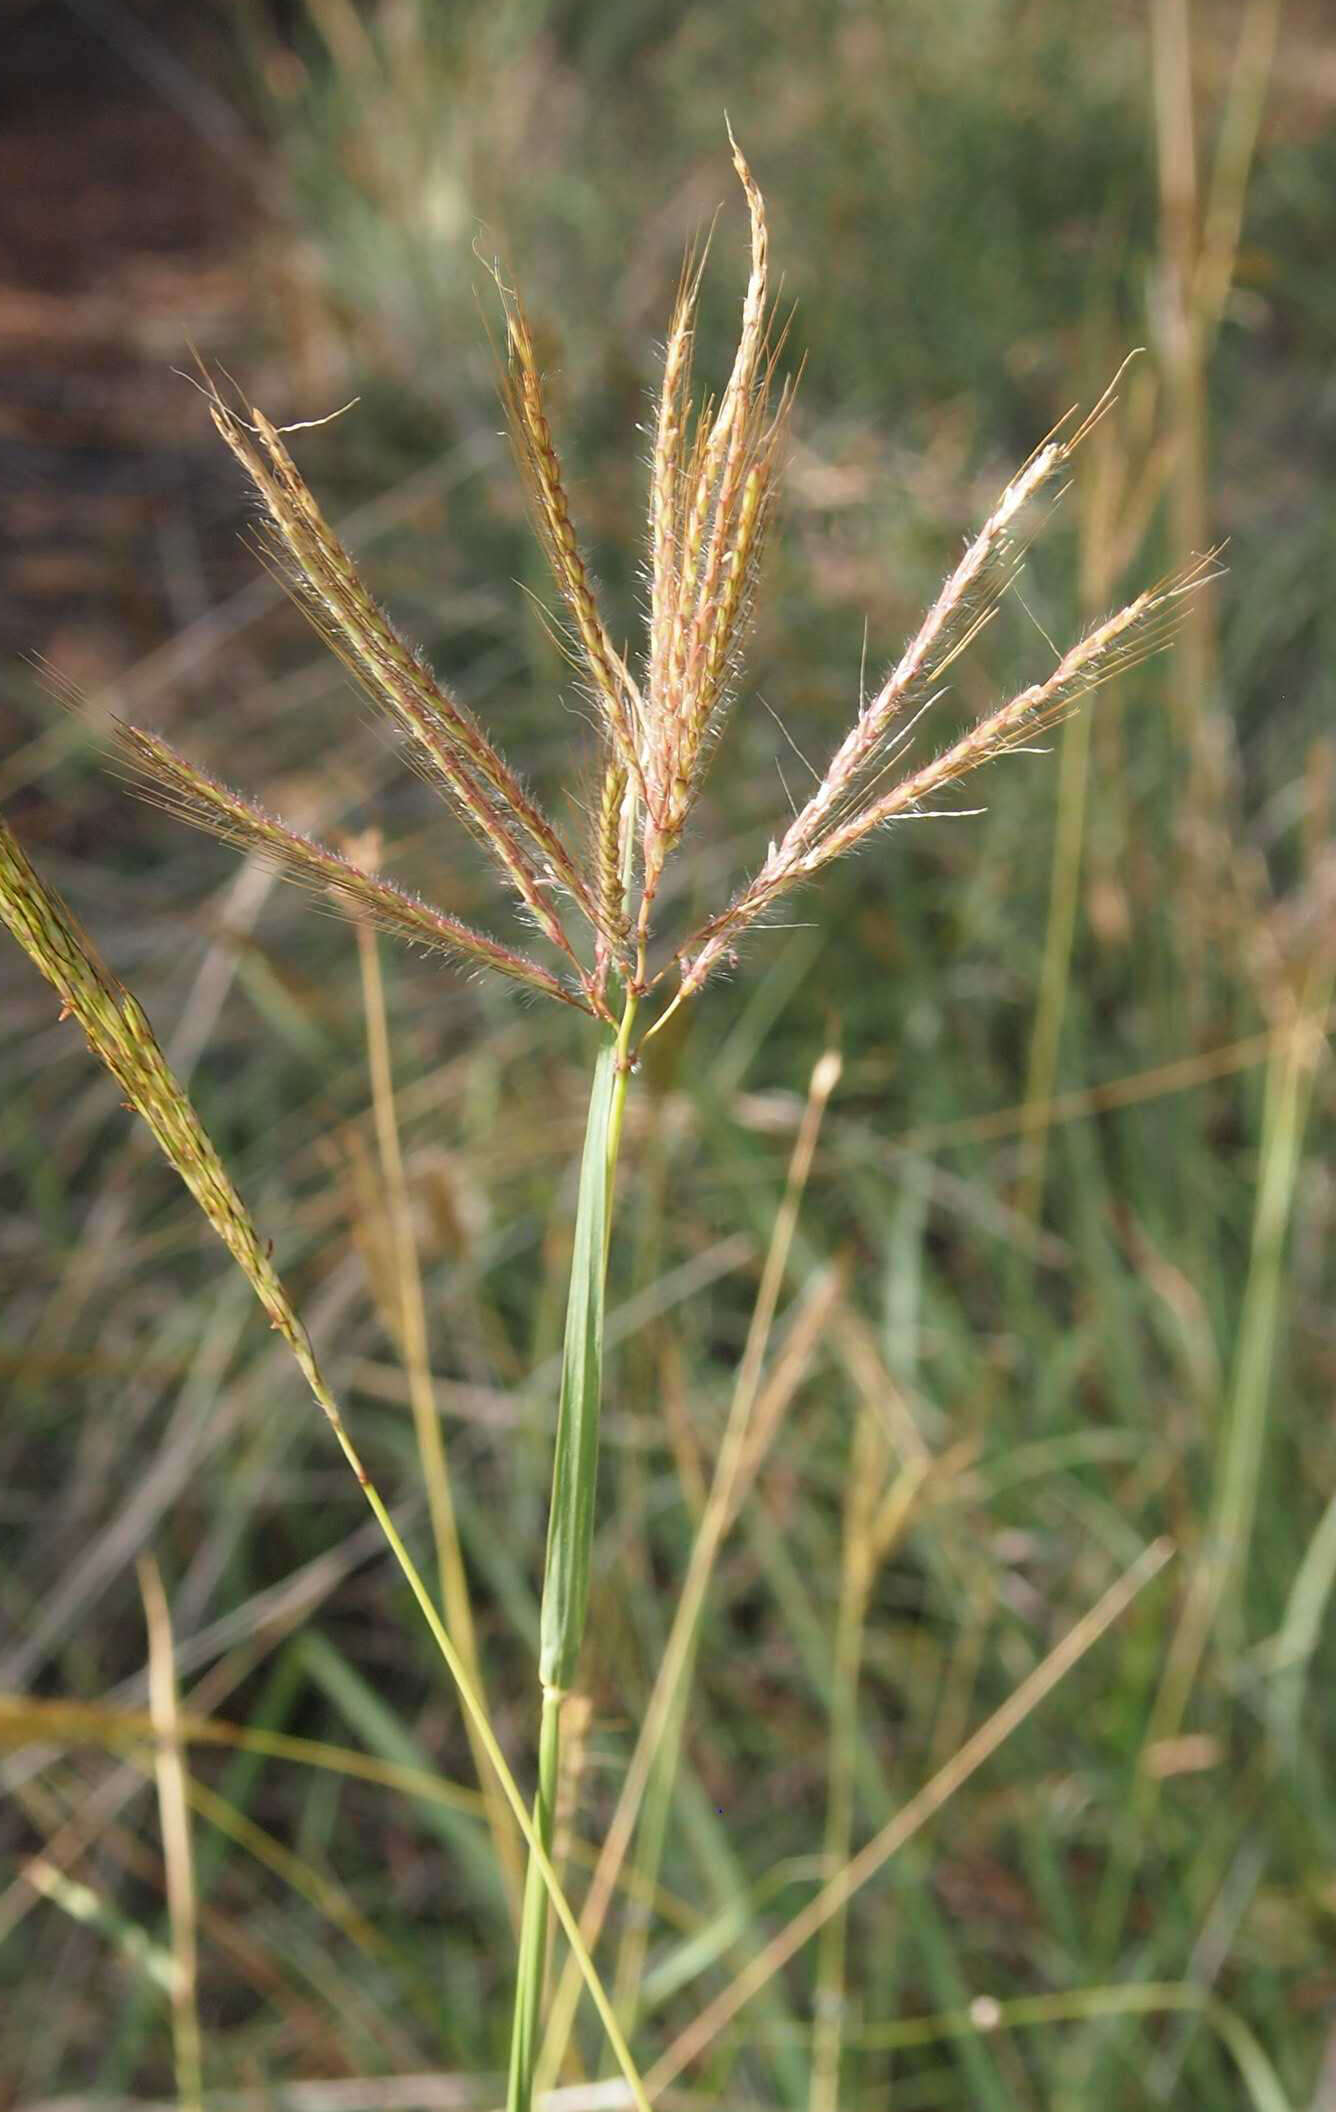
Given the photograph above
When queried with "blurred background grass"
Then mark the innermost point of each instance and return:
(1074, 1176)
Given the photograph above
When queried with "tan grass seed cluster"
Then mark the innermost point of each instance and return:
(712, 491)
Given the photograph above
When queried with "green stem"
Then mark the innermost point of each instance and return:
(538, 1855)
(570, 1532)
(532, 1961)
(1055, 979)
(1289, 1082)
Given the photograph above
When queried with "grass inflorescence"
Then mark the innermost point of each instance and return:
(714, 476)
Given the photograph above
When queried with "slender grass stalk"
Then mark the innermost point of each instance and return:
(1288, 1656)
(1211, 1600)
(1098, 546)
(757, 1412)
(174, 1809)
(456, 1603)
(867, 1466)
(876, 1516)
(571, 1519)
(1289, 1085)
(1199, 246)
(540, 1861)
(1175, 136)
(651, 1837)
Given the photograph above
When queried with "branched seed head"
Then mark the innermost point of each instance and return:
(713, 480)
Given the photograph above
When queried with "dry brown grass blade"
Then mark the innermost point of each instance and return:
(177, 1854)
(28, 1720)
(193, 796)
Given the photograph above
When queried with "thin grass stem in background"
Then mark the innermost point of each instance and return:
(1211, 1599)
(1104, 475)
(1198, 253)
(867, 1468)
(456, 1603)
(174, 1817)
(1287, 1099)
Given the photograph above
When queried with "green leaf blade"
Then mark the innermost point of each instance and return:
(575, 1468)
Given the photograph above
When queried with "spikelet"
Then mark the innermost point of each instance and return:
(609, 852)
